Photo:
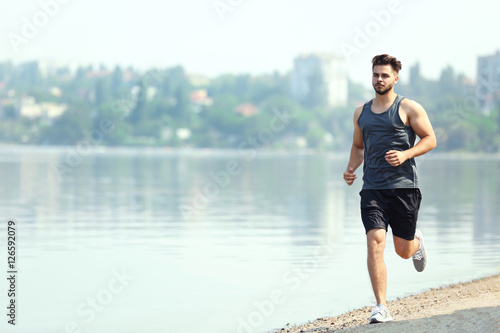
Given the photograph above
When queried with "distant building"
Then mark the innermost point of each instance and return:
(128, 75)
(246, 109)
(150, 92)
(488, 81)
(60, 69)
(200, 97)
(56, 91)
(331, 68)
(101, 73)
(198, 80)
(32, 110)
(183, 133)
(7, 101)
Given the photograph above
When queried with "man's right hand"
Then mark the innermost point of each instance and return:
(349, 176)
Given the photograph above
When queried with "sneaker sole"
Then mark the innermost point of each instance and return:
(376, 321)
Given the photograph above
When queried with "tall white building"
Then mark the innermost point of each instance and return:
(488, 81)
(332, 69)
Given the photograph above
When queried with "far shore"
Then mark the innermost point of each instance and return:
(263, 150)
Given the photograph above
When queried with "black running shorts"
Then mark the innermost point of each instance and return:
(395, 207)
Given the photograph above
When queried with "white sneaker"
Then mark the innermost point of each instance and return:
(380, 314)
(420, 257)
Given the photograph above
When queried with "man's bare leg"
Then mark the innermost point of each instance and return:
(376, 265)
(412, 249)
(405, 248)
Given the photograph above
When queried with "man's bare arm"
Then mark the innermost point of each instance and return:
(357, 150)
(419, 121)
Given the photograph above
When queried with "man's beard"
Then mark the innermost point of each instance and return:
(383, 92)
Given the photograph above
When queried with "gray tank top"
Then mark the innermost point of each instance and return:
(382, 132)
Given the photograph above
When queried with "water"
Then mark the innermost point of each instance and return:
(188, 241)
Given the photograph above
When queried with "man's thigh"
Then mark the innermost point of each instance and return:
(403, 212)
(374, 213)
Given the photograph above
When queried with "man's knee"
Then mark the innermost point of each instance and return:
(403, 247)
(376, 234)
(376, 241)
(404, 253)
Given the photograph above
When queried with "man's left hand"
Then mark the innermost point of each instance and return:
(395, 157)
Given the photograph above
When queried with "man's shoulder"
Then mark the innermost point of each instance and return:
(411, 107)
(360, 108)
(358, 111)
(409, 103)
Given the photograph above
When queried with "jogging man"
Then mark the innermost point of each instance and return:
(385, 130)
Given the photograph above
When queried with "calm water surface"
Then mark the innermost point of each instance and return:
(159, 241)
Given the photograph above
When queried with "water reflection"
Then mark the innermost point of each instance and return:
(464, 196)
(128, 207)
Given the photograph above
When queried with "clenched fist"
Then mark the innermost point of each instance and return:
(349, 176)
(395, 157)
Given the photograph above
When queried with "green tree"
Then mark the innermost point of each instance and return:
(117, 88)
(137, 115)
(10, 112)
(70, 127)
(221, 116)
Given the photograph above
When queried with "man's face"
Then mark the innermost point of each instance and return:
(383, 79)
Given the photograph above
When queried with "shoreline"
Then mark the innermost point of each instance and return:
(153, 150)
(472, 306)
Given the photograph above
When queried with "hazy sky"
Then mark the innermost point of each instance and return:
(254, 36)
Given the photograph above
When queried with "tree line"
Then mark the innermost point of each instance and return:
(157, 108)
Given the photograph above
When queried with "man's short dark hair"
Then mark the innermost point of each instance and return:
(385, 59)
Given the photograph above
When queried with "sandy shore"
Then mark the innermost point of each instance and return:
(464, 307)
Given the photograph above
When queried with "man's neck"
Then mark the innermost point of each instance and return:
(385, 99)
